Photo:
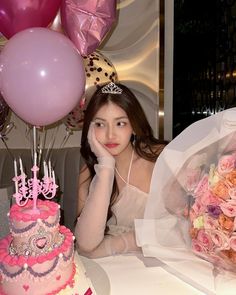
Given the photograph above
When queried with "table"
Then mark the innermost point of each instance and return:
(136, 275)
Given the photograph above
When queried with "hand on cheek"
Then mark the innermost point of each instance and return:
(95, 145)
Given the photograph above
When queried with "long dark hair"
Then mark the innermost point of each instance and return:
(145, 144)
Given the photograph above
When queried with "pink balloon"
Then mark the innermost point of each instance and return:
(18, 15)
(42, 75)
(87, 22)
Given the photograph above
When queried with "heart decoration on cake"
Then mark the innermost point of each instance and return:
(41, 242)
(26, 287)
(58, 278)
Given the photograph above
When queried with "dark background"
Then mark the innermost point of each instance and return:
(204, 60)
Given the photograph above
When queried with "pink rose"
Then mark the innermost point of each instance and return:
(210, 223)
(232, 242)
(197, 246)
(220, 240)
(226, 164)
(229, 208)
(208, 198)
(198, 208)
(204, 239)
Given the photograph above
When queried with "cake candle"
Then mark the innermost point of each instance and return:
(21, 166)
(35, 159)
(50, 168)
(22, 173)
(45, 168)
(16, 181)
(53, 177)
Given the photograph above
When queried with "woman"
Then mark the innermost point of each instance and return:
(119, 151)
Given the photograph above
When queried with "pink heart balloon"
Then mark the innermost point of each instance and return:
(17, 15)
(42, 75)
(86, 22)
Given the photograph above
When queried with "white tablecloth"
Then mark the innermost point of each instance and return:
(136, 275)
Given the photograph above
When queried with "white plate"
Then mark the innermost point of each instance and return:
(97, 275)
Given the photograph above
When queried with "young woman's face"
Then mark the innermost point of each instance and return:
(112, 128)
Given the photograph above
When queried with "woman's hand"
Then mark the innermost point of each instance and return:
(95, 145)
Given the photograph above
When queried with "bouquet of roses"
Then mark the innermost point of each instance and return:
(213, 212)
(191, 208)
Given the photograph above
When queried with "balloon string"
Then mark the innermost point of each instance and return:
(69, 132)
(42, 140)
(8, 129)
(27, 133)
(28, 136)
(34, 140)
(51, 144)
(3, 137)
(35, 146)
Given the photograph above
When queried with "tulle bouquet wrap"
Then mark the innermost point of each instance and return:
(190, 215)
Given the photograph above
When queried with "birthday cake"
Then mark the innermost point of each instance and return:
(37, 257)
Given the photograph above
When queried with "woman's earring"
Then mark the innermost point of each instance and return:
(133, 139)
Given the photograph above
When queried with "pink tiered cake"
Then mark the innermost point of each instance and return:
(37, 257)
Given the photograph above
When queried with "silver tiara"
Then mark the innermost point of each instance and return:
(111, 88)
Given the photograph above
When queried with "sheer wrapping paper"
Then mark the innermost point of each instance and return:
(164, 231)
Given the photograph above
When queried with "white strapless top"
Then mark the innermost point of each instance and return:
(130, 205)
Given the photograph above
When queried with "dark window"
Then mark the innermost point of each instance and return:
(204, 60)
